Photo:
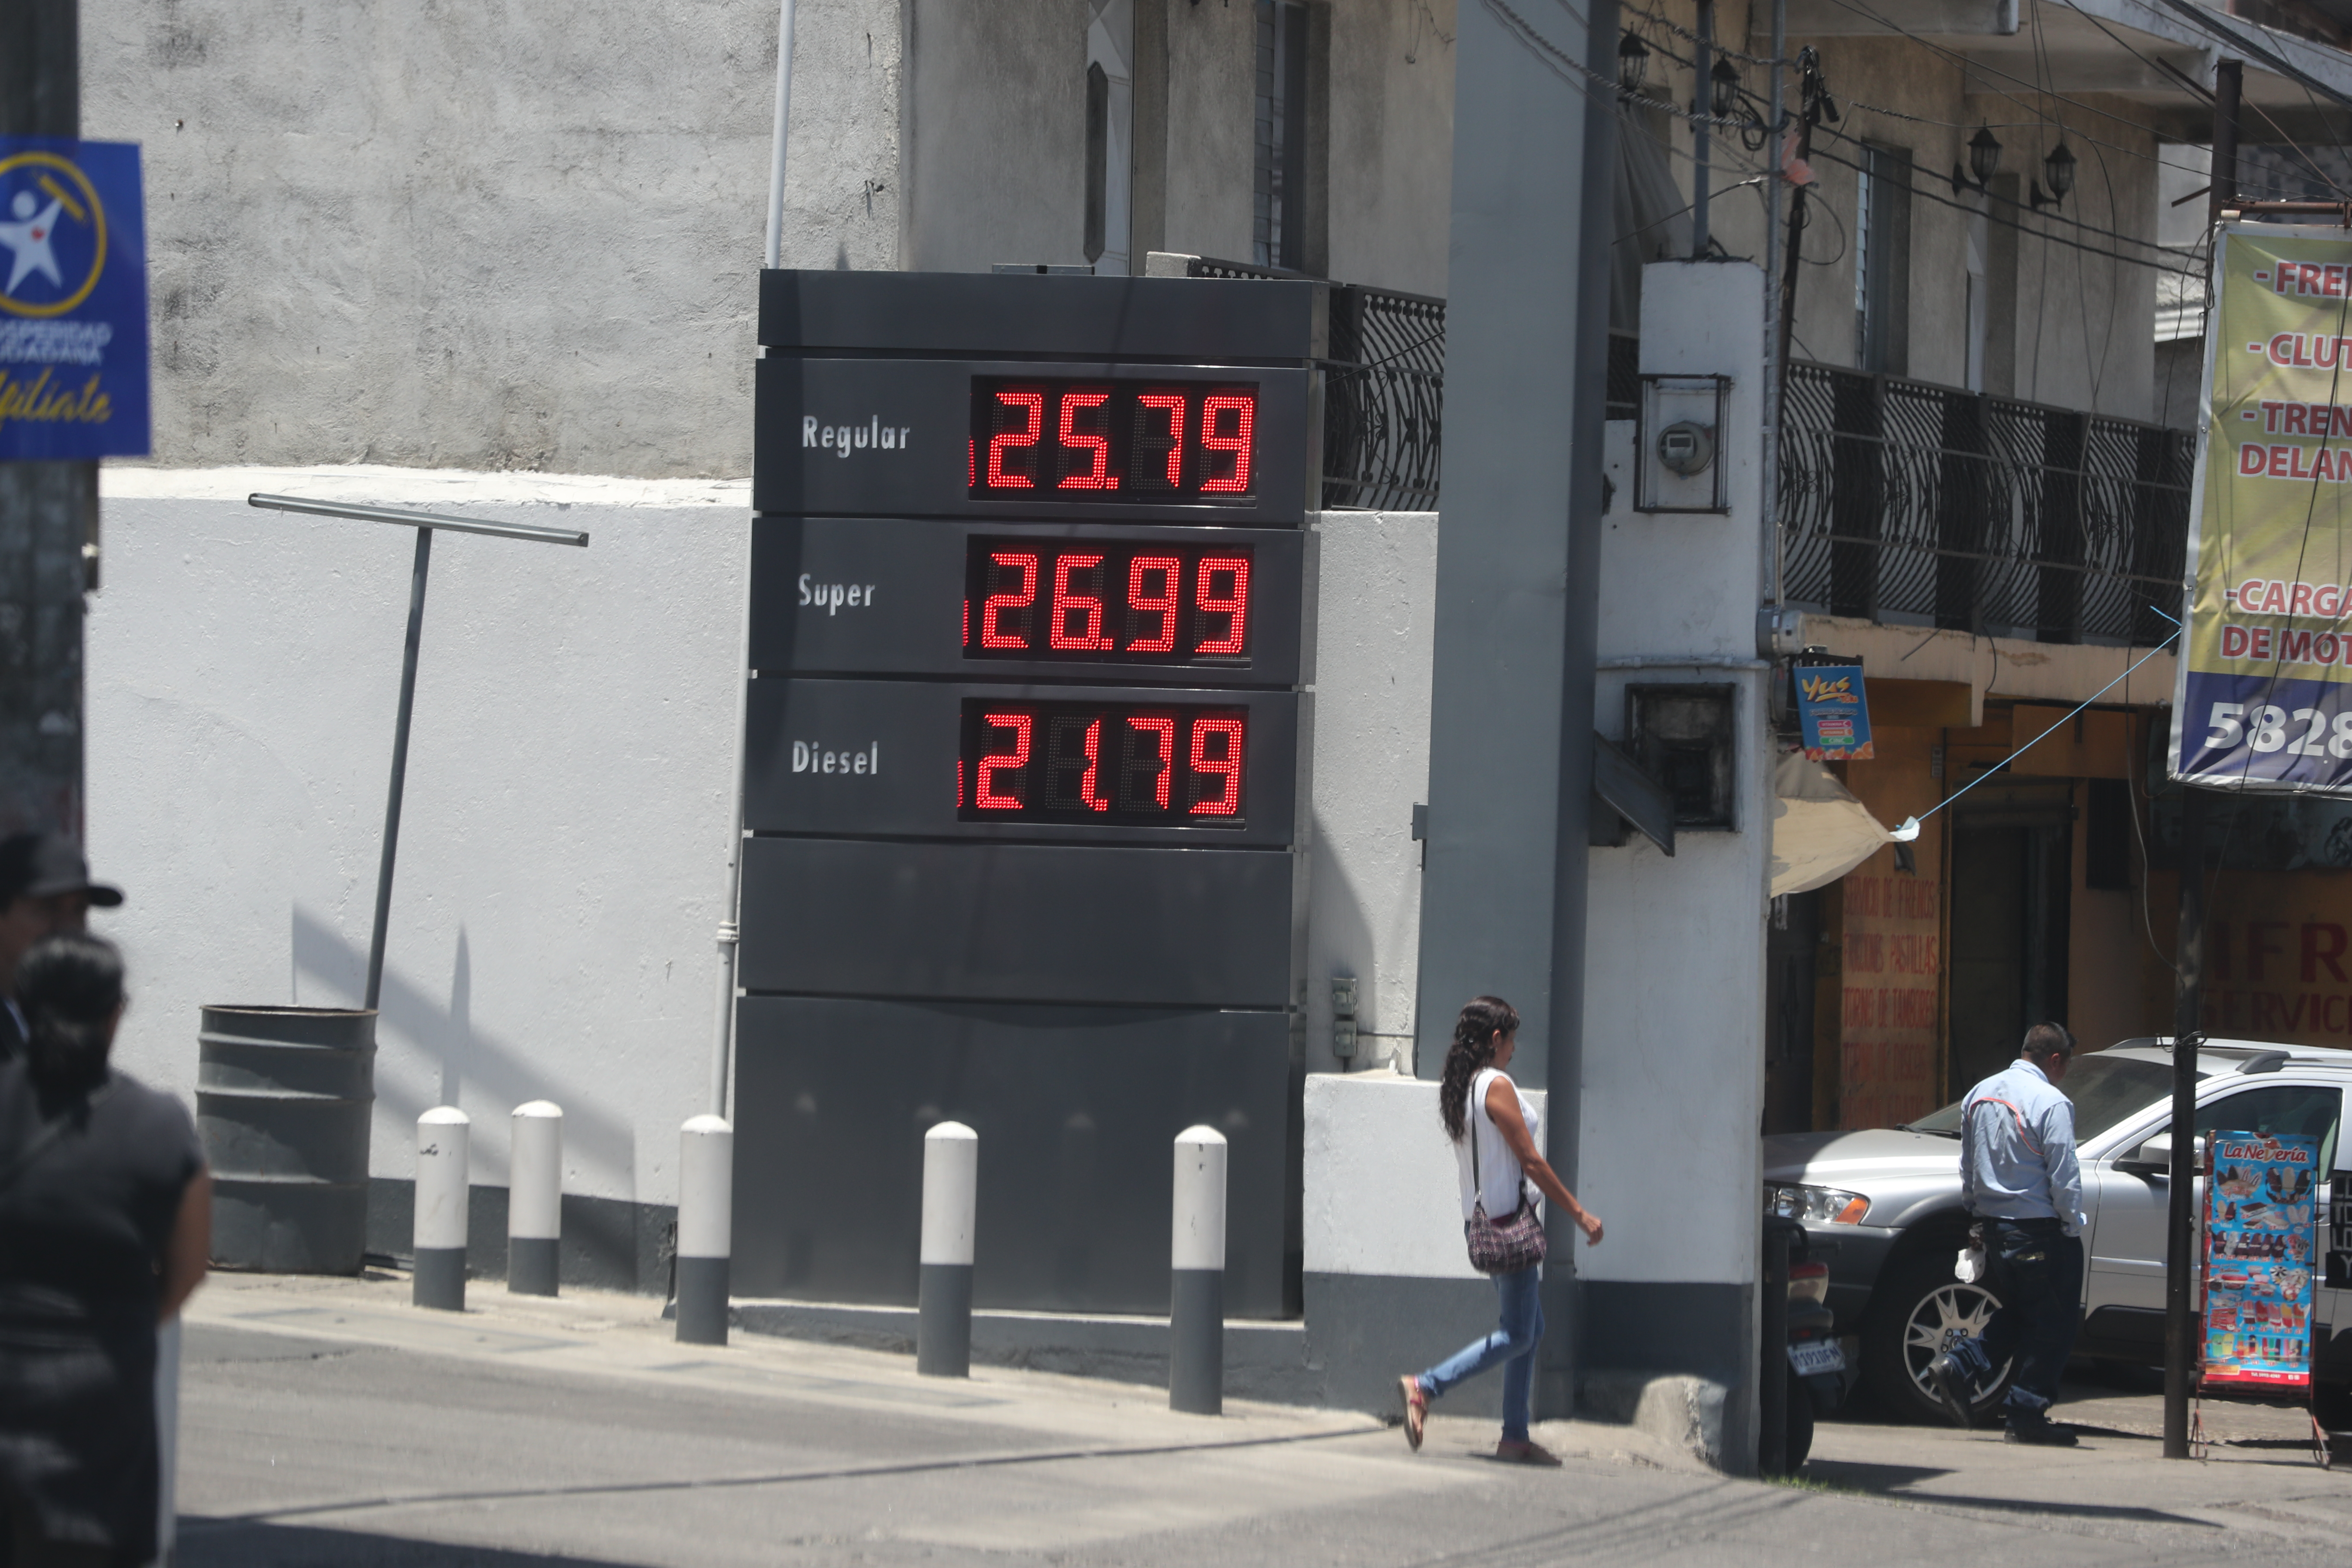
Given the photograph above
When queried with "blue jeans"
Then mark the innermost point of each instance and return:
(1513, 1343)
(2037, 1271)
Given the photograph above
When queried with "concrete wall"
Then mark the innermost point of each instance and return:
(995, 133)
(1374, 620)
(561, 866)
(1392, 149)
(512, 236)
(1211, 141)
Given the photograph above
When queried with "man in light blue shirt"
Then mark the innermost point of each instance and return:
(2018, 1177)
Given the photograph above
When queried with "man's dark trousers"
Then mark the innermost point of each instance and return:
(2037, 1273)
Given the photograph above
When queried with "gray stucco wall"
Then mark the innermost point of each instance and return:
(995, 133)
(515, 235)
(1212, 146)
(1391, 158)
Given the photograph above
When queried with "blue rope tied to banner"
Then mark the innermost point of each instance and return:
(1910, 828)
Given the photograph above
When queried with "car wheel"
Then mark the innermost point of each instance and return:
(1920, 1312)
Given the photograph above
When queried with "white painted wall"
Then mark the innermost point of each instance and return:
(1375, 619)
(561, 866)
(1382, 1192)
(1673, 1051)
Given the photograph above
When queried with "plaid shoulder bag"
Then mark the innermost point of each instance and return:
(1508, 1244)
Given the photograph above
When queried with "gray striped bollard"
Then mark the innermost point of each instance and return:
(534, 1198)
(944, 1300)
(443, 1134)
(1196, 1262)
(706, 1228)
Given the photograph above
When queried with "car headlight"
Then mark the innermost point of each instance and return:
(1819, 1206)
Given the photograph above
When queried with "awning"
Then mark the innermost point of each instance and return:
(1819, 832)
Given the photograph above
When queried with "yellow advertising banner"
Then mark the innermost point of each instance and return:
(2262, 700)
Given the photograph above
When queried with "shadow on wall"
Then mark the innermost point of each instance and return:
(591, 1135)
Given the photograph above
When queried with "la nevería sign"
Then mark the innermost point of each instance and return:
(73, 300)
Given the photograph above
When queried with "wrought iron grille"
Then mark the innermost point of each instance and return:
(1911, 502)
(1383, 391)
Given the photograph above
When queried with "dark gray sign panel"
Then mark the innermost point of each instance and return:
(1076, 1108)
(1017, 922)
(1010, 601)
(930, 759)
(905, 438)
(990, 316)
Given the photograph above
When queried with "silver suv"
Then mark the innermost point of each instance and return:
(1881, 1208)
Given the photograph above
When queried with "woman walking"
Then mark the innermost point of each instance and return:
(105, 1221)
(1494, 1129)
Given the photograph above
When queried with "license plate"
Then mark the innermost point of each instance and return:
(1815, 1357)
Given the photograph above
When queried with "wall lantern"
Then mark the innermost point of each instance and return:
(2059, 167)
(1633, 62)
(1723, 93)
(1984, 163)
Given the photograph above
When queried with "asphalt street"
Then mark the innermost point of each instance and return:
(328, 1422)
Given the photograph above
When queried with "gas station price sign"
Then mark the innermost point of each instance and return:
(1151, 765)
(1095, 440)
(1091, 599)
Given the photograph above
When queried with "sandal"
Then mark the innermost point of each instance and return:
(1526, 1453)
(1416, 1410)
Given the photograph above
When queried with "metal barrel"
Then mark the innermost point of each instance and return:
(284, 1095)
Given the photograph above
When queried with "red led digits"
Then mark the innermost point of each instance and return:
(1142, 601)
(1068, 604)
(1242, 406)
(999, 476)
(1226, 766)
(1096, 449)
(1119, 442)
(1016, 760)
(992, 613)
(1094, 760)
(1154, 756)
(1235, 603)
(1149, 442)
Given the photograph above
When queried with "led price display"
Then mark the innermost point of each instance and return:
(1102, 600)
(1112, 440)
(1155, 765)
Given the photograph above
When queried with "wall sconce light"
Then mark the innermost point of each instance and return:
(1633, 62)
(1984, 163)
(2059, 167)
(1723, 94)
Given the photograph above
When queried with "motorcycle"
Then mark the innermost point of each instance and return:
(1823, 1366)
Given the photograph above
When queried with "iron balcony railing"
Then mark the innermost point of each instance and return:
(1908, 502)
(1383, 392)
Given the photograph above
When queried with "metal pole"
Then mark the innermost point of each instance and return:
(49, 510)
(1558, 1357)
(1776, 364)
(1807, 111)
(775, 251)
(1702, 105)
(2180, 1253)
(399, 767)
(2189, 951)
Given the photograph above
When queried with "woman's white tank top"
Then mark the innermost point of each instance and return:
(1499, 1168)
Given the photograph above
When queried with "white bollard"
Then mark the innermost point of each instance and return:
(943, 1299)
(706, 1228)
(442, 1135)
(1196, 1261)
(535, 1198)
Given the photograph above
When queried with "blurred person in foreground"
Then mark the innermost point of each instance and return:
(105, 1224)
(44, 888)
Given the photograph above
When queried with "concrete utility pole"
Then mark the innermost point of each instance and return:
(48, 511)
(2188, 954)
(1510, 785)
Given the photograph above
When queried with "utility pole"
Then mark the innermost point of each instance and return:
(2188, 955)
(49, 510)
(1702, 105)
(1817, 104)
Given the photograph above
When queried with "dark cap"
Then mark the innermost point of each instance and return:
(42, 865)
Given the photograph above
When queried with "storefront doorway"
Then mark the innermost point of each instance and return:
(2012, 871)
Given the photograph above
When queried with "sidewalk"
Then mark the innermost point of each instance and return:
(328, 1422)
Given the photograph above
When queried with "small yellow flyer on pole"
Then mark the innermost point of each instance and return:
(2263, 697)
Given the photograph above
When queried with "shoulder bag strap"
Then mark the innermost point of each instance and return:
(49, 1134)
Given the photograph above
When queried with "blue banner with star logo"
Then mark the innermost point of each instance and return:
(73, 299)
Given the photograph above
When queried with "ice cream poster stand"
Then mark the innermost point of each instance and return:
(2256, 1262)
